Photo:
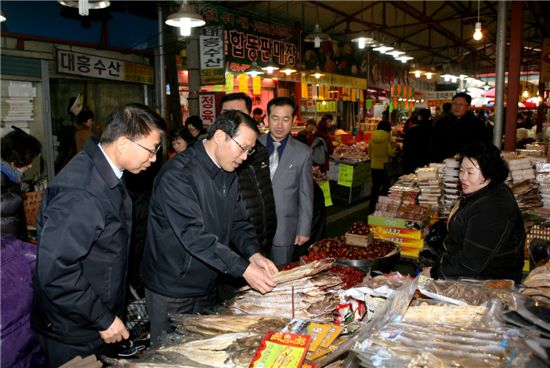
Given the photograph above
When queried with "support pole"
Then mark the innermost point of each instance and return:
(499, 74)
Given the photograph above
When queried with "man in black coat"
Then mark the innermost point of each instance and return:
(456, 130)
(84, 228)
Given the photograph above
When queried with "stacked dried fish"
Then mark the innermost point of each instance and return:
(537, 284)
(219, 324)
(307, 292)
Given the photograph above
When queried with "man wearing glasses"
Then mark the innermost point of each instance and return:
(195, 213)
(456, 130)
(84, 228)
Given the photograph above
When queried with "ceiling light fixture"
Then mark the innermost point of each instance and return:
(254, 69)
(383, 49)
(417, 73)
(404, 58)
(429, 75)
(396, 53)
(363, 40)
(185, 19)
(486, 86)
(288, 70)
(84, 6)
(317, 74)
(477, 33)
(317, 36)
(2, 17)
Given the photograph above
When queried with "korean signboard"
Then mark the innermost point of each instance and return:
(93, 66)
(207, 108)
(248, 39)
(211, 55)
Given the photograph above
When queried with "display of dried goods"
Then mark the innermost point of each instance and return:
(537, 284)
(354, 152)
(445, 314)
(359, 228)
(460, 292)
(336, 248)
(310, 292)
(211, 325)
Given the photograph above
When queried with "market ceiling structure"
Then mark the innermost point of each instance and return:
(437, 34)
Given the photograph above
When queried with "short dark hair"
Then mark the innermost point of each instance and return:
(230, 121)
(311, 121)
(238, 96)
(132, 120)
(465, 96)
(84, 116)
(384, 125)
(489, 159)
(196, 121)
(257, 111)
(425, 114)
(183, 133)
(19, 148)
(446, 107)
(281, 101)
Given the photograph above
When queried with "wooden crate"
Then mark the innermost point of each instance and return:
(31, 205)
(359, 240)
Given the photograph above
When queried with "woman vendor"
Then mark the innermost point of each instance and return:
(485, 229)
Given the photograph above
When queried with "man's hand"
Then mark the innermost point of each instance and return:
(264, 263)
(300, 240)
(115, 333)
(258, 278)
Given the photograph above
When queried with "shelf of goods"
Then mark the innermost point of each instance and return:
(350, 180)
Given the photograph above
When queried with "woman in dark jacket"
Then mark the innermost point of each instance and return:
(19, 149)
(485, 231)
(321, 136)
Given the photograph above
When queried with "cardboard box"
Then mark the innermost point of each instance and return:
(397, 231)
(359, 240)
(398, 222)
(410, 243)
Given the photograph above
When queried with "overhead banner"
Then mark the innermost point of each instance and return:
(95, 66)
(545, 61)
(211, 55)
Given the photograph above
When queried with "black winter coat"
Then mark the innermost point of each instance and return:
(450, 135)
(485, 237)
(13, 213)
(257, 192)
(84, 229)
(195, 214)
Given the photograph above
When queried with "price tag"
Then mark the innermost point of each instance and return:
(345, 175)
(325, 187)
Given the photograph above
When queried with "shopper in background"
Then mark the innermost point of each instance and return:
(83, 130)
(456, 130)
(381, 150)
(84, 229)
(19, 149)
(416, 142)
(19, 344)
(180, 139)
(196, 211)
(258, 116)
(321, 142)
(305, 134)
(292, 179)
(486, 234)
(195, 126)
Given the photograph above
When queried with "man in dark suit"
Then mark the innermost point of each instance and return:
(84, 229)
(292, 179)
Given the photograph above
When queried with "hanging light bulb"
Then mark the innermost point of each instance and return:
(270, 67)
(417, 73)
(288, 70)
(363, 41)
(2, 17)
(317, 74)
(477, 34)
(185, 19)
(84, 6)
(383, 49)
(254, 70)
(404, 58)
(525, 94)
(486, 86)
(429, 75)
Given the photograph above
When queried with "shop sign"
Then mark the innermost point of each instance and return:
(211, 55)
(93, 66)
(545, 61)
(207, 106)
(249, 39)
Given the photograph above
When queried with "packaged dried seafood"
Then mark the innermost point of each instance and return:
(219, 324)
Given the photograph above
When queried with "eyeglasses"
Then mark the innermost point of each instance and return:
(151, 152)
(248, 151)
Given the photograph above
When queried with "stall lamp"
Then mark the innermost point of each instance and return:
(270, 67)
(317, 36)
(363, 41)
(84, 6)
(417, 73)
(2, 17)
(404, 58)
(486, 86)
(288, 70)
(525, 94)
(185, 19)
(429, 75)
(396, 53)
(254, 70)
(383, 49)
